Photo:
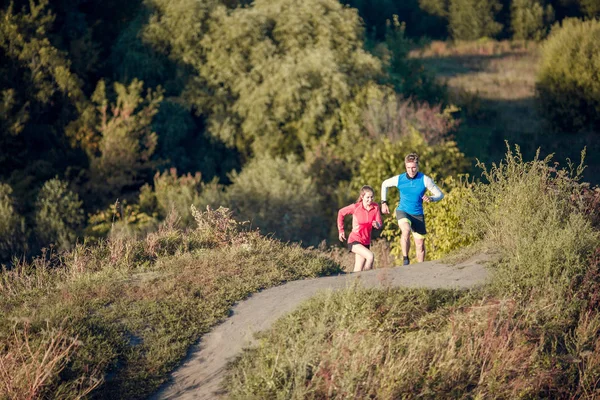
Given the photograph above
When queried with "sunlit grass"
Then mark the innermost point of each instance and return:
(121, 314)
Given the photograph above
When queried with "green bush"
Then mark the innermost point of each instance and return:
(279, 197)
(473, 19)
(529, 19)
(445, 220)
(12, 226)
(58, 215)
(568, 81)
(527, 213)
(170, 197)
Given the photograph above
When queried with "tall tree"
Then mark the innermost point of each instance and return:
(118, 139)
(530, 19)
(39, 94)
(279, 71)
(474, 19)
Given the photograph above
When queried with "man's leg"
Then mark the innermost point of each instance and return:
(363, 258)
(405, 238)
(419, 246)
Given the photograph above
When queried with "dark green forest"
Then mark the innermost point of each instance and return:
(114, 115)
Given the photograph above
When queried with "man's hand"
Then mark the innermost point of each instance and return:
(342, 236)
(426, 198)
(385, 209)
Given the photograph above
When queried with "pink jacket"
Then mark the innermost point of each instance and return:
(362, 222)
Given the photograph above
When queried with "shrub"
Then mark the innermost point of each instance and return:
(120, 218)
(279, 197)
(526, 212)
(12, 226)
(445, 220)
(33, 362)
(172, 192)
(568, 81)
(59, 214)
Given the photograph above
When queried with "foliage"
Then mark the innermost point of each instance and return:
(12, 226)
(59, 215)
(118, 138)
(568, 84)
(473, 19)
(533, 333)
(39, 94)
(183, 144)
(121, 218)
(135, 306)
(407, 75)
(23, 39)
(279, 197)
(590, 8)
(394, 118)
(418, 19)
(34, 363)
(315, 47)
(445, 220)
(530, 213)
(403, 343)
(435, 7)
(171, 192)
(530, 19)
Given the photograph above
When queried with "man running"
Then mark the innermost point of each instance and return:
(412, 186)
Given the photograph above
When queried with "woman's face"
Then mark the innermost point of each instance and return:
(367, 198)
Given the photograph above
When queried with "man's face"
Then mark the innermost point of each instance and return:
(411, 169)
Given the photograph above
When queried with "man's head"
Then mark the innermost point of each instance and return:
(411, 162)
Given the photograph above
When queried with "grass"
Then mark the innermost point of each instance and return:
(534, 332)
(115, 318)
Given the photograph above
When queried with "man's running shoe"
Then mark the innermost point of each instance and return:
(406, 261)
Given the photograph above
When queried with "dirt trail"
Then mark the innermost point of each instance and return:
(200, 375)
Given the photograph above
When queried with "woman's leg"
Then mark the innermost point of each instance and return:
(363, 258)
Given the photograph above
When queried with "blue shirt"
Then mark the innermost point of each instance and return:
(411, 193)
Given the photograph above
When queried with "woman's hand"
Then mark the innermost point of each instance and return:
(376, 225)
(342, 236)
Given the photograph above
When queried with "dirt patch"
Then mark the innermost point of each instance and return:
(200, 375)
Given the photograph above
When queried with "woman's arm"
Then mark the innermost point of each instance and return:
(340, 220)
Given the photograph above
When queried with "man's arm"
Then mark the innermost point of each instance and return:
(391, 182)
(432, 187)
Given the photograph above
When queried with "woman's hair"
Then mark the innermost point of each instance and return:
(411, 157)
(363, 190)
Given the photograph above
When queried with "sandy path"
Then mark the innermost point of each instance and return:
(200, 375)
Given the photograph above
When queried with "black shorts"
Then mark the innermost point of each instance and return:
(417, 222)
(368, 246)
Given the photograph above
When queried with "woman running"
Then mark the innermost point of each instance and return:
(365, 217)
